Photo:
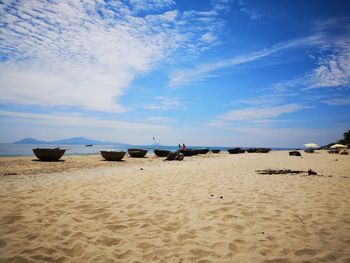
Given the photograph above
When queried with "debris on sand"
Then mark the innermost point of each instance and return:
(10, 174)
(294, 153)
(282, 171)
(286, 171)
(310, 172)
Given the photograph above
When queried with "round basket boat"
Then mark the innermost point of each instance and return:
(113, 155)
(215, 150)
(49, 154)
(263, 150)
(203, 151)
(195, 151)
(137, 153)
(234, 150)
(252, 150)
(161, 153)
(188, 152)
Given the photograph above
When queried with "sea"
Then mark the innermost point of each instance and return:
(11, 149)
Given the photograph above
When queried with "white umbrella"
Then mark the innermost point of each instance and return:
(338, 145)
(311, 145)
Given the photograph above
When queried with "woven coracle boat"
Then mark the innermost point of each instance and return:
(137, 153)
(113, 155)
(161, 153)
(49, 154)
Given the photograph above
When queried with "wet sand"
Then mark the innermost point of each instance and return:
(211, 208)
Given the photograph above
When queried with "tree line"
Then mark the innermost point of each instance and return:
(345, 140)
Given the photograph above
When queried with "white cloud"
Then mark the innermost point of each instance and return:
(217, 123)
(267, 99)
(221, 5)
(87, 88)
(165, 103)
(253, 14)
(142, 5)
(338, 101)
(86, 53)
(182, 77)
(159, 119)
(260, 113)
(208, 37)
(69, 120)
(333, 69)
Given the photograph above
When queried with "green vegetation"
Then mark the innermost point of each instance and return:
(345, 140)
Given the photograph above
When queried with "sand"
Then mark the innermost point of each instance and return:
(212, 208)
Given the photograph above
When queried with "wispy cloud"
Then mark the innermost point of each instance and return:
(331, 70)
(260, 113)
(81, 121)
(261, 100)
(165, 103)
(338, 101)
(182, 77)
(141, 5)
(253, 14)
(159, 120)
(86, 53)
(221, 5)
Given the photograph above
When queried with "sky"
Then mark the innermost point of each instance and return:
(271, 73)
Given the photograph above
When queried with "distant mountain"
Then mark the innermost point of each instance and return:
(74, 140)
(30, 141)
(78, 140)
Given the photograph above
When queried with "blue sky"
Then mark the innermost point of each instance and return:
(216, 72)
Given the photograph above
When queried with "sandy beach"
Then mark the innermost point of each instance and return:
(210, 208)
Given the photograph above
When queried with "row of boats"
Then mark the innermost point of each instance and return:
(54, 154)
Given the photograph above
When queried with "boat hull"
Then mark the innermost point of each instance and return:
(203, 151)
(137, 153)
(49, 154)
(113, 155)
(188, 152)
(234, 150)
(161, 153)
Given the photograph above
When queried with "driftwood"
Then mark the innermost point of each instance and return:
(286, 171)
(300, 220)
(283, 171)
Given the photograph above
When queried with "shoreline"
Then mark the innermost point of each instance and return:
(111, 147)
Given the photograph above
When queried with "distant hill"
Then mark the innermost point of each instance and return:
(74, 140)
(30, 141)
(78, 140)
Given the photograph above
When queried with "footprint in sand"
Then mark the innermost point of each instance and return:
(108, 241)
(11, 219)
(116, 227)
(3, 243)
(306, 252)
